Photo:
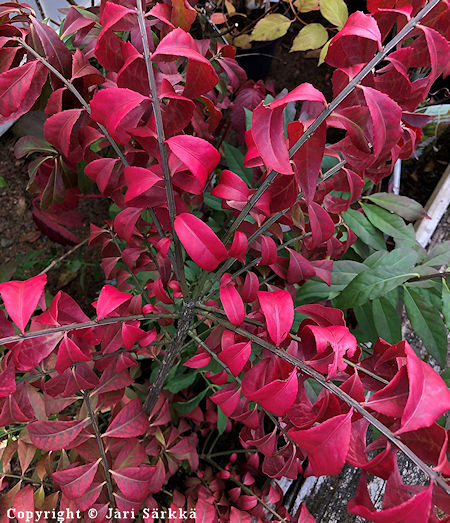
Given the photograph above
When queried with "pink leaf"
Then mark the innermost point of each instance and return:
(268, 251)
(326, 444)
(21, 297)
(231, 301)
(54, 435)
(200, 242)
(299, 268)
(198, 156)
(429, 397)
(109, 300)
(236, 356)
(355, 43)
(130, 422)
(272, 384)
(227, 398)
(75, 481)
(278, 309)
(119, 110)
(141, 181)
(239, 246)
(322, 226)
(337, 337)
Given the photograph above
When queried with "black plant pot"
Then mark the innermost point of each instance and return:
(256, 61)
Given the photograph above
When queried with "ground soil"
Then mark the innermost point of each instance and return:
(25, 251)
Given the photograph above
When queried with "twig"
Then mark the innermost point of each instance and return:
(179, 266)
(443, 274)
(244, 488)
(329, 385)
(23, 478)
(84, 325)
(170, 356)
(328, 110)
(65, 255)
(101, 448)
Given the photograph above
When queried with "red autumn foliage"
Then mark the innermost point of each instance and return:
(148, 129)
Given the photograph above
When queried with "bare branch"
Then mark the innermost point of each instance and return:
(162, 150)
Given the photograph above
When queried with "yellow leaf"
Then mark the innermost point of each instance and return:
(305, 6)
(323, 53)
(230, 7)
(243, 41)
(271, 27)
(311, 36)
(335, 11)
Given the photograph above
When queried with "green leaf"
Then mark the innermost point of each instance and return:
(427, 323)
(305, 6)
(366, 330)
(389, 223)
(438, 255)
(7, 271)
(184, 407)
(271, 27)
(446, 302)
(445, 375)
(221, 420)
(335, 11)
(316, 290)
(311, 36)
(3, 182)
(212, 202)
(387, 322)
(248, 118)
(365, 231)
(371, 284)
(235, 162)
(323, 53)
(404, 258)
(405, 207)
(177, 380)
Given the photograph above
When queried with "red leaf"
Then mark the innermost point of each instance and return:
(326, 444)
(231, 301)
(413, 510)
(75, 481)
(268, 251)
(20, 88)
(142, 181)
(272, 384)
(299, 268)
(339, 338)
(227, 398)
(198, 156)
(278, 309)
(386, 118)
(323, 316)
(56, 53)
(7, 379)
(23, 505)
(59, 130)
(54, 435)
(200, 242)
(305, 516)
(355, 43)
(68, 354)
(136, 483)
(268, 134)
(308, 159)
(21, 297)
(239, 246)
(119, 110)
(429, 397)
(109, 300)
(322, 226)
(250, 287)
(130, 422)
(236, 356)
